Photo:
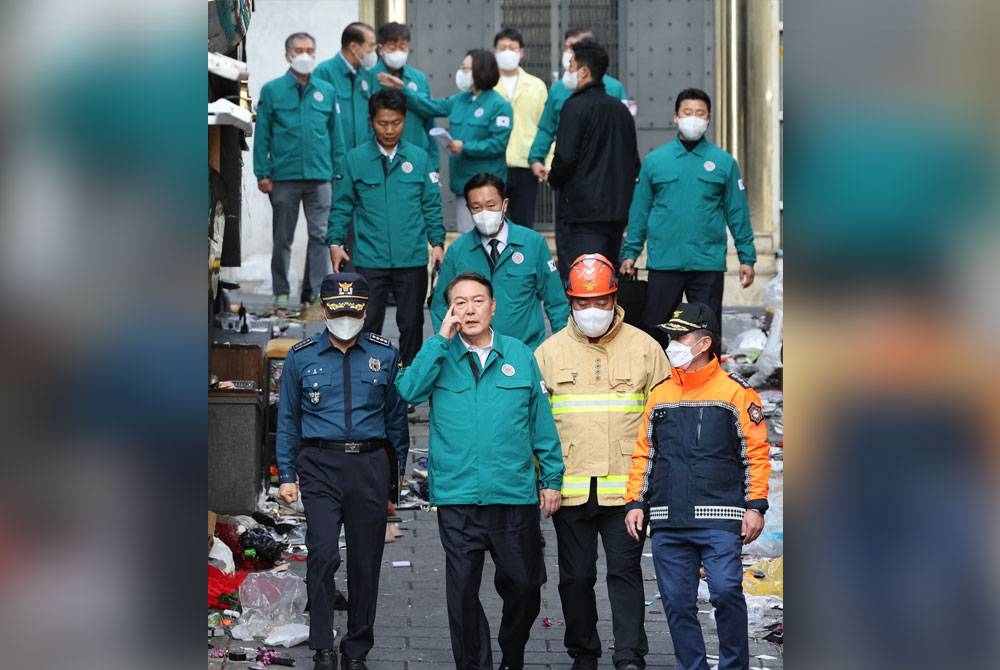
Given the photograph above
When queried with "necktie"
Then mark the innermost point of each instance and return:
(494, 253)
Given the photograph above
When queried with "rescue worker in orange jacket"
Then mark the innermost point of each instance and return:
(699, 474)
(598, 371)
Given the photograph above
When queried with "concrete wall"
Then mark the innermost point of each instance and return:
(272, 22)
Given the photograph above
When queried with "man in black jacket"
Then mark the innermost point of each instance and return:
(596, 161)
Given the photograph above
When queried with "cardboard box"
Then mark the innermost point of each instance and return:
(211, 528)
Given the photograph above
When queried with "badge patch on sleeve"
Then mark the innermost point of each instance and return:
(756, 413)
(435, 178)
(552, 265)
(503, 122)
(740, 183)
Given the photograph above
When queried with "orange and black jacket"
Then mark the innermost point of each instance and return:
(702, 457)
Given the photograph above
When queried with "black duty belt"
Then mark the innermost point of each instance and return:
(348, 447)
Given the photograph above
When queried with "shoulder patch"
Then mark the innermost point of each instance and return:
(303, 344)
(378, 339)
(739, 380)
(756, 413)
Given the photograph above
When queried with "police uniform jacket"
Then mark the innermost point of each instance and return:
(329, 395)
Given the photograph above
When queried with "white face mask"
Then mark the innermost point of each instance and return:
(567, 55)
(463, 80)
(692, 127)
(303, 63)
(569, 80)
(508, 60)
(344, 328)
(395, 59)
(369, 60)
(679, 355)
(488, 222)
(593, 321)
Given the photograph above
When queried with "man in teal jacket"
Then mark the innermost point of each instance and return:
(515, 258)
(349, 74)
(689, 192)
(394, 49)
(490, 424)
(392, 190)
(480, 122)
(297, 150)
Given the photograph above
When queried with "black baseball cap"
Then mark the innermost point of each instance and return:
(344, 292)
(689, 317)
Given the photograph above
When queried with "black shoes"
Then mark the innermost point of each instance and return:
(353, 663)
(325, 659)
(629, 665)
(585, 663)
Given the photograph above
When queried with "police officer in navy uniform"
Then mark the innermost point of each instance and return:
(341, 432)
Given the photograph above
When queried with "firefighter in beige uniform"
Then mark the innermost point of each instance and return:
(598, 371)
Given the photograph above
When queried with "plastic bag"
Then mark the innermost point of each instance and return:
(749, 343)
(288, 635)
(770, 356)
(765, 578)
(221, 556)
(272, 599)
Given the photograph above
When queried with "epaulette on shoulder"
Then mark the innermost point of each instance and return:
(303, 344)
(739, 380)
(665, 379)
(378, 339)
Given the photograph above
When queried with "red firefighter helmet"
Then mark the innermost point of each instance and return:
(591, 276)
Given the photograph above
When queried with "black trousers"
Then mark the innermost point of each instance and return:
(409, 285)
(664, 292)
(522, 189)
(574, 239)
(350, 489)
(512, 536)
(310, 292)
(577, 529)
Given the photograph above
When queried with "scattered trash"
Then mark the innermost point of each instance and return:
(649, 602)
(765, 578)
(400, 564)
(288, 635)
(262, 543)
(271, 600)
(777, 634)
(237, 655)
(241, 633)
(749, 343)
(223, 589)
(220, 555)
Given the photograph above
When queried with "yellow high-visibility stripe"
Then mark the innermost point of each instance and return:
(580, 403)
(606, 485)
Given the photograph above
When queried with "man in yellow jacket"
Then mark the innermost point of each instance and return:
(598, 371)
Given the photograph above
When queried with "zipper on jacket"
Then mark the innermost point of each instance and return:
(697, 437)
